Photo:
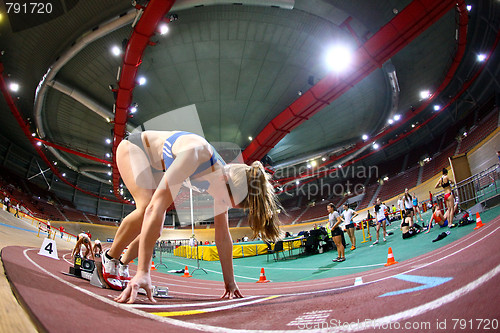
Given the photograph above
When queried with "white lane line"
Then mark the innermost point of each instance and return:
(312, 268)
(187, 305)
(214, 309)
(124, 307)
(208, 328)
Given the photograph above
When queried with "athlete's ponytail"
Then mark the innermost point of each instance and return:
(261, 201)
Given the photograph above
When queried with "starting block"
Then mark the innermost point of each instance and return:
(158, 291)
(92, 271)
(89, 270)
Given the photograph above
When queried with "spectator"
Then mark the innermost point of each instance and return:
(61, 229)
(6, 201)
(334, 225)
(416, 208)
(380, 209)
(401, 206)
(17, 211)
(406, 230)
(347, 215)
(48, 228)
(408, 201)
(438, 218)
(445, 182)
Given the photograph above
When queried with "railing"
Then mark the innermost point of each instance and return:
(477, 188)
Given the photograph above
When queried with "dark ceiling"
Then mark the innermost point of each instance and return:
(239, 65)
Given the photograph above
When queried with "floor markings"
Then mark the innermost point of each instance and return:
(425, 281)
(416, 311)
(214, 309)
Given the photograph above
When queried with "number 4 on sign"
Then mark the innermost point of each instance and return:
(48, 248)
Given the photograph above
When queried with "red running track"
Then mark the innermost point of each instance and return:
(465, 298)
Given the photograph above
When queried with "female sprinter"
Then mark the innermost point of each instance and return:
(154, 165)
(446, 183)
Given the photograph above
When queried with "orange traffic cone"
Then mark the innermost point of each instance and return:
(390, 258)
(479, 223)
(262, 278)
(153, 267)
(186, 272)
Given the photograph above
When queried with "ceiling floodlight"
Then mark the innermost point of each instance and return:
(116, 51)
(437, 107)
(314, 163)
(424, 94)
(108, 141)
(297, 182)
(38, 143)
(364, 137)
(141, 81)
(309, 166)
(390, 121)
(163, 29)
(375, 145)
(250, 138)
(64, 174)
(109, 173)
(338, 58)
(397, 117)
(481, 57)
(108, 155)
(14, 87)
(469, 7)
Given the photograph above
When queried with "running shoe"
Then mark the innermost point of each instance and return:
(375, 243)
(110, 272)
(341, 259)
(385, 240)
(353, 247)
(123, 273)
(338, 259)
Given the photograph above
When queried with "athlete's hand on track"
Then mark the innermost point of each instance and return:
(232, 291)
(140, 280)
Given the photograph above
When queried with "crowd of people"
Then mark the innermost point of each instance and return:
(407, 210)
